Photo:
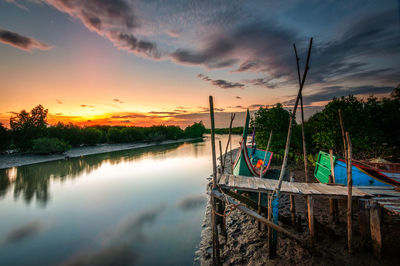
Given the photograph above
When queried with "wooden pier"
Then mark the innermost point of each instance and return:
(268, 185)
(373, 200)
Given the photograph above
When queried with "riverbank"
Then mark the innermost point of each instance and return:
(20, 159)
(246, 245)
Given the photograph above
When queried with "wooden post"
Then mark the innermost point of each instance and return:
(259, 209)
(261, 173)
(220, 205)
(363, 220)
(343, 135)
(272, 241)
(229, 142)
(292, 205)
(216, 257)
(310, 209)
(349, 195)
(376, 234)
(220, 157)
(266, 152)
(304, 141)
(333, 203)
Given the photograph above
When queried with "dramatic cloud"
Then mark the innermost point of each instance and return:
(114, 20)
(59, 102)
(221, 83)
(129, 115)
(85, 105)
(163, 113)
(22, 42)
(270, 83)
(374, 36)
(256, 106)
(328, 93)
(259, 46)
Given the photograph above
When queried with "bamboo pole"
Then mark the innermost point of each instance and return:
(292, 204)
(220, 205)
(266, 152)
(289, 136)
(302, 118)
(220, 157)
(261, 173)
(343, 134)
(310, 209)
(333, 203)
(349, 195)
(216, 255)
(275, 193)
(229, 142)
(303, 136)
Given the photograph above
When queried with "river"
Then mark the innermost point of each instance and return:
(142, 207)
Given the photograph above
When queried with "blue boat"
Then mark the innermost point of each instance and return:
(362, 173)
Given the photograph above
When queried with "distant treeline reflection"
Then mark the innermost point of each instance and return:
(29, 131)
(33, 181)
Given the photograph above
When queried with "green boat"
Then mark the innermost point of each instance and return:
(250, 159)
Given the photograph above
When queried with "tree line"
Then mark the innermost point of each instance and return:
(373, 125)
(29, 131)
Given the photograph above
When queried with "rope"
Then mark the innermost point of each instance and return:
(229, 207)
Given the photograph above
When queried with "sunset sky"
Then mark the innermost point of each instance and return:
(156, 62)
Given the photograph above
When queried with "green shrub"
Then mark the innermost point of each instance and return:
(195, 131)
(49, 146)
(5, 138)
(114, 135)
(91, 135)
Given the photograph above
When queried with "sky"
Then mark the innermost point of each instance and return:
(132, 62)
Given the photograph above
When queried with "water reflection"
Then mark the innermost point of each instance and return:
(32, 181)
(23, 232)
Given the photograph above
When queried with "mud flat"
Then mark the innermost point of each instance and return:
(246, 245)
(19, 159)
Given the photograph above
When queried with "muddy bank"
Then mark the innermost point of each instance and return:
(19, 159)
(246, 245)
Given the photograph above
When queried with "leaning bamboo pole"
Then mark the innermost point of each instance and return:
(302, 118)
(289, 136)
(216, 255)
(275, 193)
(261, 172)
(229, 142)
(221, 157)
(343, 134)
(349, 195)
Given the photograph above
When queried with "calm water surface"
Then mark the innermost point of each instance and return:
(140, 207)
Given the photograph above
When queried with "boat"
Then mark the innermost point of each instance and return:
(363, 174)
(250, 159)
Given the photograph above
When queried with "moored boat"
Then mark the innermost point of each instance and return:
(363, 174)
(250, 160)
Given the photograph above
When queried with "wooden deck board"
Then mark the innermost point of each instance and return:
(266, 185)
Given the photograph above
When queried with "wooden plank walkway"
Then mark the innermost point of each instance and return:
(267, 185)
(391, 204)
